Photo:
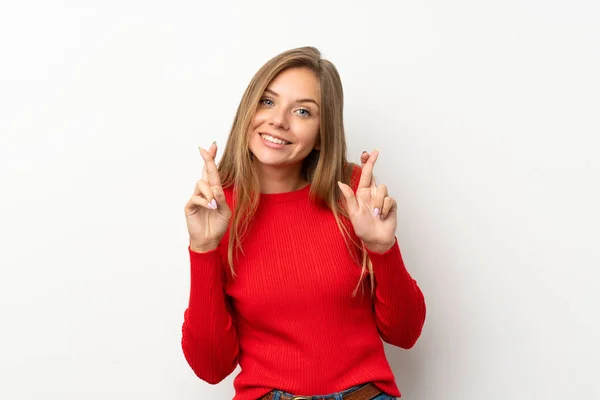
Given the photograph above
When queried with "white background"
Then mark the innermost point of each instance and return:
(486, 117)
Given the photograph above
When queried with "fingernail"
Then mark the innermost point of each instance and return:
(376, 212)
(215, 142)
(214, 203)
(364, 152)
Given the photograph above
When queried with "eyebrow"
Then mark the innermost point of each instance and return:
(297, 101)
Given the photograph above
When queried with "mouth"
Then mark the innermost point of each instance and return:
(274, 139)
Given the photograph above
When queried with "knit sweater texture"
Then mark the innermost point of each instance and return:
(288, 318)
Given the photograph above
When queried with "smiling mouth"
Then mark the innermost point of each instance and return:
(273, 139)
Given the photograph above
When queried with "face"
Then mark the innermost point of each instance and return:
(285, 128)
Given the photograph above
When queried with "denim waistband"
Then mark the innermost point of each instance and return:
(337, 395)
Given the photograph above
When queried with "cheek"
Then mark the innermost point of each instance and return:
(311, 131)
(259, 118)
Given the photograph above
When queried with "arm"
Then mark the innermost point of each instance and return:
(399, 304)
(209, 337)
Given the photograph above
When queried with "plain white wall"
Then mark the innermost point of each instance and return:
(486, 116)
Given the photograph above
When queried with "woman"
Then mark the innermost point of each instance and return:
(282, 235)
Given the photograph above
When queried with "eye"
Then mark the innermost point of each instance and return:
(263, 101)
(306, 112)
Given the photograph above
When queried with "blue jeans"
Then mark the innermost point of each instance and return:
(337, 395)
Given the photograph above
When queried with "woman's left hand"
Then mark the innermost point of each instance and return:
(372, 212)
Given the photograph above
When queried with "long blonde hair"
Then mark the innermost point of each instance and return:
(322, 169)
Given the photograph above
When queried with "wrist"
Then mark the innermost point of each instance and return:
(380, 247)
(203, 247)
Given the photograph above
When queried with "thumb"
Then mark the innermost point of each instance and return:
(349, 196)
(219, 194)
(221, 200)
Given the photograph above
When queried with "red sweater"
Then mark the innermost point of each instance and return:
(288, 317)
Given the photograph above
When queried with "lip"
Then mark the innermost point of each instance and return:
(275, 136)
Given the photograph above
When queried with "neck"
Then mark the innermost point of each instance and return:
(280, 179)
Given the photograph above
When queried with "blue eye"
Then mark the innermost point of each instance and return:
(306, 111)
(268, 102)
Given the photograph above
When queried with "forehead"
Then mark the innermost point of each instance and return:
(296, 82)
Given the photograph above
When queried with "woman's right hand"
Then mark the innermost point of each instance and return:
(206, 224)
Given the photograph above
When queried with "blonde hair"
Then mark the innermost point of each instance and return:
(322, 169)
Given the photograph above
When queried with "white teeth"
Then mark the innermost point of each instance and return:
(272, 139)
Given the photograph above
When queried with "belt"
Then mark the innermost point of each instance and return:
(365, 392)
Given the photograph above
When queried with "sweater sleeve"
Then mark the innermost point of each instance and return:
(209, 337)
(399, 304)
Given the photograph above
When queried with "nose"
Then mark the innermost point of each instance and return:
(278, 118)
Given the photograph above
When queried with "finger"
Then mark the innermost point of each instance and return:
(194, 202)
(204, 190)
(351, 203)
(213, 151)
(211, 168)
(367, 171)
(389, 206)
(363, 158)
(381, 193)
(199, 201)
(373, 186)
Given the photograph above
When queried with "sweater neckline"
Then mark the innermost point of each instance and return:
(286, 196)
